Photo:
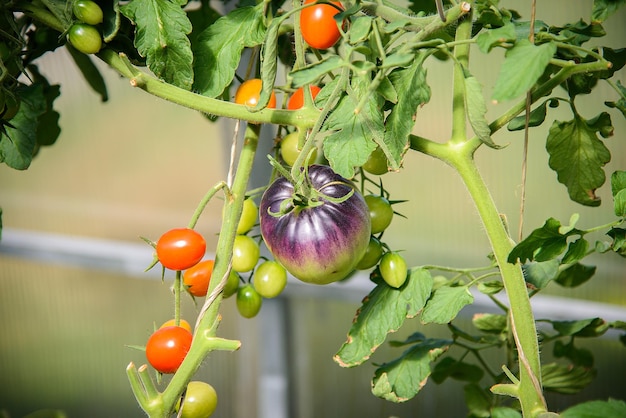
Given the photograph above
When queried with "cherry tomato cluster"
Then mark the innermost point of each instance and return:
(83, 34)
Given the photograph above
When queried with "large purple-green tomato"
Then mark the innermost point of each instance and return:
(322, 240)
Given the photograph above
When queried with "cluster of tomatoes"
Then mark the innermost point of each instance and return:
(84, 34)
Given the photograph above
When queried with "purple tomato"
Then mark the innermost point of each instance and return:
(321, 237)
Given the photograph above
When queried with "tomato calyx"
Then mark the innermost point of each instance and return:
(305, 195)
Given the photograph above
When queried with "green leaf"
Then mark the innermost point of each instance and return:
(310, 73)
(269, 64)
(161, 33)
(478, 400)
(455, 369)
(578, 356)
(61, 9)
(576, 251)
(578, 155)
(537, 117)
(543, 244)
(612, 408)
(621, 103)
(618, 190)
(18, 142)
(566, 379)
(491, 38)
(217, 50)
(355, 134)
(383, 311)
(90, 72)
(490, 323)
(505, 412)
(491, 287)
(575, 275)
(524, 63)
(413, 91)
(402, 378)
(539, 274)
(602, 9)
(360, 29)
(48, 129)
(619, 240)
(591, 327)
(445, 303)
(476, 111)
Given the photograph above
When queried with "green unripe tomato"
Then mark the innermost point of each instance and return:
(85, 38)
(376, 163)
(290, 151)
(246, 254)
(200, 401)
(249, 216)
(381, 212)
(232, 284)
(393, 269)
(248, 301)
(373, 253)
(87, 11)
(270, 278)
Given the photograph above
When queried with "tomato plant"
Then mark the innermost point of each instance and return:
(249, 92)
(289, 150)
(296, 100)
(200, 400)
(249, 216)
(85, 38)
(88, 11)
(249, 301)
(270, 279)
(318, 25)
(246, 253)
(167, 347)
(180, 248)
(197, 277)
(319, 239)
(373, 253)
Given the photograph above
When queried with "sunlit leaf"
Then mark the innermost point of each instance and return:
(539, 274)
(542, 244)
(445, 304)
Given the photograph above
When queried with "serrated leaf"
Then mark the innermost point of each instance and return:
(450, 367)
(90, 72)
(618, 190)
(575, 275)
(161, 33)
(591, 327)
(355, 134)
(602, 9)
(578, 155)
(476, 111)
(413, 91)
(310, 73)
(19, 141)
(619, 240)
(383, 311)
(493, 37)
(402, 378)
(505, 412)
(539, 274)
(490, 323)
(542, 244)
(566, 379)
(445, 304)
(269, 64)
(537, 117)
(524, 63)
(217, 50)
(621, 103)
(612, 408)
(576, 251)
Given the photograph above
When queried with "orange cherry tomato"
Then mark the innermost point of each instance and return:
(249, 93)
(296, 101)
(197, 278)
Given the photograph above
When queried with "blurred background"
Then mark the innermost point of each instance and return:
(73, 293)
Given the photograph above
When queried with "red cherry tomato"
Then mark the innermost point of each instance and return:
(249, 93)
(167, 347)
(296, 101)
(197, 278)
(318, 26)
(180, 248)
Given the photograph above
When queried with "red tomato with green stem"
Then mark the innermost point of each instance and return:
(318, 26)
(296, 101)
(180, 248)
(167, 347)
